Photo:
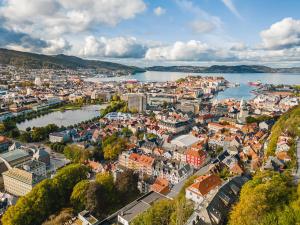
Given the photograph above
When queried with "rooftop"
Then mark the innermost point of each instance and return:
(133, 209)
(185, 140)
(14, 155)
(21, 175)
(204, 184)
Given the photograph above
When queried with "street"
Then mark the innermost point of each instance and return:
(177, 187)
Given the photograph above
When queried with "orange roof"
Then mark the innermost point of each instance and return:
(236, 169)
(158, 151)
(130, 146)
(160, 185)
(195, 152)
(283, 156)
(146, 160)
(215, 124)
(3, 139)
(134, 156)
(94, 165)
(204, 184)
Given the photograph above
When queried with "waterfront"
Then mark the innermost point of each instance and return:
(63, 118)
(242, 91)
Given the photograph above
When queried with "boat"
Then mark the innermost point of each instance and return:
(131, 81)
(255, 83)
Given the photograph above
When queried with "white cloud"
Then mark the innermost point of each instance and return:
(51, 47)
(119, 47)
(57, 46)
(159, 11)
(283, 34)
(230, 5)
(51, 18)
(238, 46)
(202, 26)
(204, 22)
(191, 50)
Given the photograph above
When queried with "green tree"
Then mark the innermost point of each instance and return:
(127, 181)
(106, 180)
(63, 216)
(78, 196)
(159, 214)
(113, 146)
(76, 154)
(263, 199)
(96, 200)
(183, 210)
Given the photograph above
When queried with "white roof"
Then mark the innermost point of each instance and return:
(185, 140)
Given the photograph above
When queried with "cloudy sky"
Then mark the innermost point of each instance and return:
(155, 32)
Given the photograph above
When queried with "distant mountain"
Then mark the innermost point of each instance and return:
(224, 69)
(39, 61)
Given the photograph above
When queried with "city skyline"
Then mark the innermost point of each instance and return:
(143, 32)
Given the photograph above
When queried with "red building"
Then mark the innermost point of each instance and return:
(195, 157)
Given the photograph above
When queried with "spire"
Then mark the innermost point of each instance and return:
(242, 103)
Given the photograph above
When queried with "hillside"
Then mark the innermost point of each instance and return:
(224, 69)
(272, 197)
(39, 61)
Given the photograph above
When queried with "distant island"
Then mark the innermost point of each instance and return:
(39, 61)
(224, 69)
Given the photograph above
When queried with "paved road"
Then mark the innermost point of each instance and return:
(177, 187)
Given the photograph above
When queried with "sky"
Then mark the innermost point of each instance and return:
(157, 32)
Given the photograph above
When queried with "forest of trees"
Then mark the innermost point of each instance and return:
(37, 134)
(113, 145)
(269, 198)
(287, 123)
(54, 201)
(104, 196)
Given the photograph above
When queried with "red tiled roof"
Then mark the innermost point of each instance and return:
(204, 184)
(3, 139)
(146, 160)
(195, 152)
(134, 156)
(160, 185)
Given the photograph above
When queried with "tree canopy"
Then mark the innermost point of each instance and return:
(76, 154)
(288, 123)
(269, 198)
(113, 146)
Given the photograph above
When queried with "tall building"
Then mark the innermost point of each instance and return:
(20, 180)
(38, 81)
(137, 102)
(244, 113)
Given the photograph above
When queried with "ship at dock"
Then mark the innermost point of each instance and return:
(255, 83)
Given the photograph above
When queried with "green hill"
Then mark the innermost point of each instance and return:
(39, 61)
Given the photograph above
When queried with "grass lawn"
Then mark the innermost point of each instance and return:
(67, 107)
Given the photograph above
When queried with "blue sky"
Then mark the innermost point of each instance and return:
(156, 31)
